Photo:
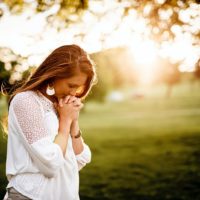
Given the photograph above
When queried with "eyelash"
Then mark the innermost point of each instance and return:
(72, 86)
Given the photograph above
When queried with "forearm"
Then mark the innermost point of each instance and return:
(63, 134)
(77, 143)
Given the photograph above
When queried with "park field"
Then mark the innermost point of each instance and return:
(142, 149)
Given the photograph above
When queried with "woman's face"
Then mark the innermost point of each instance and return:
(70, 86)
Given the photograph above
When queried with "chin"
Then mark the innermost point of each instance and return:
(57, 96)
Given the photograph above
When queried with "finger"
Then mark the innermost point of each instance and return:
(66, 99)
(78, 100)
(61, 102)
(76, 103)
(80, 106)
(72, 98)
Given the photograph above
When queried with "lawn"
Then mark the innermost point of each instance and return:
(142, 149)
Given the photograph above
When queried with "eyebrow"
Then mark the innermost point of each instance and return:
(75, 85)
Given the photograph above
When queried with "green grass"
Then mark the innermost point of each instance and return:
(142, 149)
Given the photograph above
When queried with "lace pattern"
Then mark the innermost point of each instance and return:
(29, 113)
(46, 103)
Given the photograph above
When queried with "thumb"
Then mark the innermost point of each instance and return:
(60, 103)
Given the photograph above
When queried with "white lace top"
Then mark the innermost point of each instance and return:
(35, 165)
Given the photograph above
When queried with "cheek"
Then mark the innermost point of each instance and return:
(61, 88)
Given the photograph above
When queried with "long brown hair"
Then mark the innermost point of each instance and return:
(63, 62)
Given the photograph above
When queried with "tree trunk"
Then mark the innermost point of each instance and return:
(169, 91)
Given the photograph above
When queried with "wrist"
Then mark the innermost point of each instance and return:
(65, 120)
(64, 127)
(78, 135)
(75, 121)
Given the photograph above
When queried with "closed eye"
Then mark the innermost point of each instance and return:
(73, 86)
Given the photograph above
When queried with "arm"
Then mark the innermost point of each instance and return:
(63, 134)
(66, 114)
(77, 143)
(81, 150)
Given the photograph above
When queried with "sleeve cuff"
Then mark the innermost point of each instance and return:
(84, 157)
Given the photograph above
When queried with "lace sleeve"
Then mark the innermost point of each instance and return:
(30, 117)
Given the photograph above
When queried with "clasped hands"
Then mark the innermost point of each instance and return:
(71, 99)
(69, 107)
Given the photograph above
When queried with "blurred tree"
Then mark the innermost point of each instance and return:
(13, 70)
(115, 69)
(43, 5)
(65, 12)
(163, 18)
(4, 74)
(197, 70)
(105, 79)
(167, 17)
(169, 74)
(171, 78)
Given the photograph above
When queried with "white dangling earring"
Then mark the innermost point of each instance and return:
(50, 90)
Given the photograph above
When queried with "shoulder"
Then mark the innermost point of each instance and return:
(25, 98)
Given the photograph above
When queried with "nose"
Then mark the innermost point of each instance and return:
(73, 92)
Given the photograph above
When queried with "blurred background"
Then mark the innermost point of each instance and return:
(142, 119)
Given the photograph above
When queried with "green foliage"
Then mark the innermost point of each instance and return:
(11, 67)
(3, 148)
(4, 74)
(9, 62)
(14, 5)
(157, 22)
(43, 5)
(150, 10)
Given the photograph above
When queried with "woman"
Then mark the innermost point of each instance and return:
(45, 148)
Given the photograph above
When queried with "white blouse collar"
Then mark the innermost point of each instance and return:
(44, 97)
